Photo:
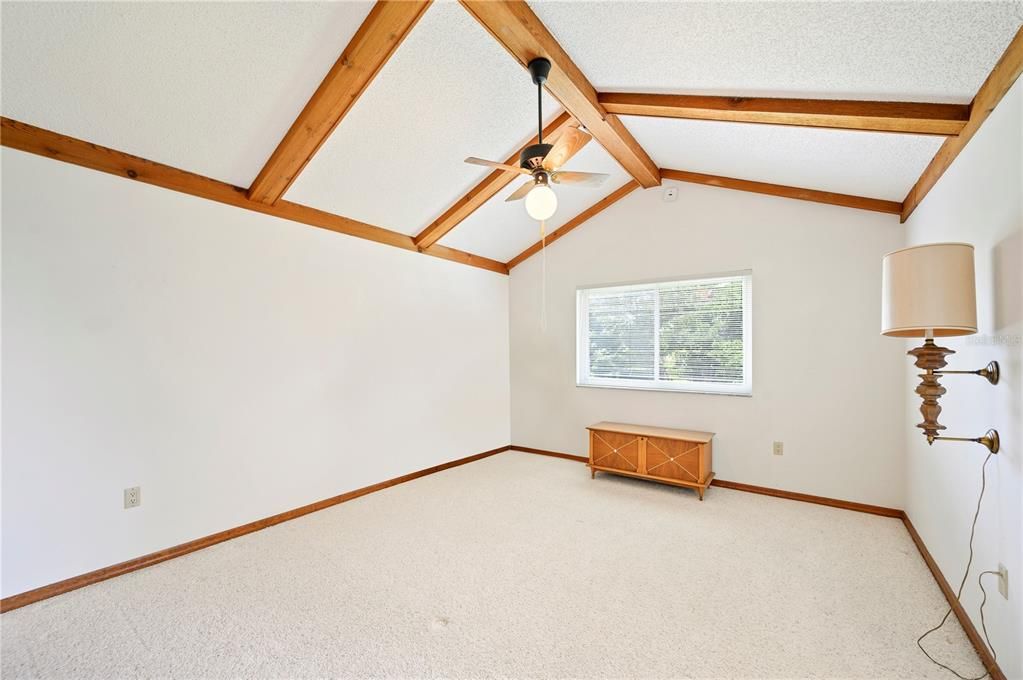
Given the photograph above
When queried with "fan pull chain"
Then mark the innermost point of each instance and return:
(543, 276)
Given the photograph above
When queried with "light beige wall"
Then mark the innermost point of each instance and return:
(232, 364)
(978, 200)
(824, 381)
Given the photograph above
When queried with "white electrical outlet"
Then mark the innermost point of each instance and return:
(779, 449)
(132, 497)
(1003, 581)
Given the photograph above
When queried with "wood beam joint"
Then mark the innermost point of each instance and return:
(514, 25)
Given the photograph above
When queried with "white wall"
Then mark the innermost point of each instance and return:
(824, 381)
(232, 364)
(978, 200)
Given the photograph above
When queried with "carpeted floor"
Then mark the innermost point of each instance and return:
(515, 566)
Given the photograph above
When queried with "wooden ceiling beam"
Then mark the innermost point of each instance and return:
(388, 23)
(905, 117)
(486, 189)
(845, 200)
(1001, 78)
(28, 138)
(609, 200)
(813, 195)
(462, 257)
(520, 31)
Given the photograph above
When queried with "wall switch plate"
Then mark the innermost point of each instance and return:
(670, 194)
(132, 497)
(779, 449)
(1003, 581)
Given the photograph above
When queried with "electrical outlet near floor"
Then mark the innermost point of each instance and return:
(132, 497)
(779, 449)
(1003, 581)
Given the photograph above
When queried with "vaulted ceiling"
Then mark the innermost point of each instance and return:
(213, 88)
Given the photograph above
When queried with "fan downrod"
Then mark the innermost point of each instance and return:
(532, 156)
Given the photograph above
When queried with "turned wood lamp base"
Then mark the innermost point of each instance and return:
(931, 359)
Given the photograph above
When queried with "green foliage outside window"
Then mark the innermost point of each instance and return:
(699, 332)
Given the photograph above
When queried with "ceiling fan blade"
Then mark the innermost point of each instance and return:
(521, 192)
(589, 179)
(568, 143)
(495, 164)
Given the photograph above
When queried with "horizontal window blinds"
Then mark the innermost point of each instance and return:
(622, 334)
(686, 335)
(700, 328)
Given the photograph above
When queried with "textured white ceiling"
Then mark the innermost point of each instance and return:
(925, 51)
(872, 164)
(450, 91)
(209, 87)
(212, 87)
(502, 230)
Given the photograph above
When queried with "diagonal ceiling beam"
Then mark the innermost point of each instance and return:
(798, 193)
(1001, 78)
(609, 200)
(520, 31)
(373, 44)
(485, 190)
(907, 117)
(28, 138)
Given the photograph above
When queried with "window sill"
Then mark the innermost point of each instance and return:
(670, 390)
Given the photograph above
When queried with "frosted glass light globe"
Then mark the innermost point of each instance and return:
(541, 202)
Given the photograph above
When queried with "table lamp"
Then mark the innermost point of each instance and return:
(929, 291)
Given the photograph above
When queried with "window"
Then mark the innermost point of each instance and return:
(691, 335)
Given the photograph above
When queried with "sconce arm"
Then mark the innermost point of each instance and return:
(990, 440)
(991, 372)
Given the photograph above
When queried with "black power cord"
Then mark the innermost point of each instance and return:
(959, 593)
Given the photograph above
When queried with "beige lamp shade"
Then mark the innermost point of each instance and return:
(929, 288)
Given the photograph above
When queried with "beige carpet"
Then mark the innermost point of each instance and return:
(515, 566)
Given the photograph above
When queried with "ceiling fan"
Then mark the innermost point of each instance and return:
(542, 161)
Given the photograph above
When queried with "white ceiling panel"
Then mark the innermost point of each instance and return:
(502, 230)
(913, 51)
(450, 91)
(871, 164)
(209, 87)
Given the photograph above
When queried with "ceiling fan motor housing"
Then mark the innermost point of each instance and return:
(532, 156)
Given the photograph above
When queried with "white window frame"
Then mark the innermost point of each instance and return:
(584, 379)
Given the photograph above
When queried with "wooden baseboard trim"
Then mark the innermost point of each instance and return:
(75, 582)
(808, 498)
(553, 454)
(763, 490)
(964, 620)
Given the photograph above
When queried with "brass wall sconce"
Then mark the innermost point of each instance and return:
(929, 291)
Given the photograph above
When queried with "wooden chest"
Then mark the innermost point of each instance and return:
(661, 454)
